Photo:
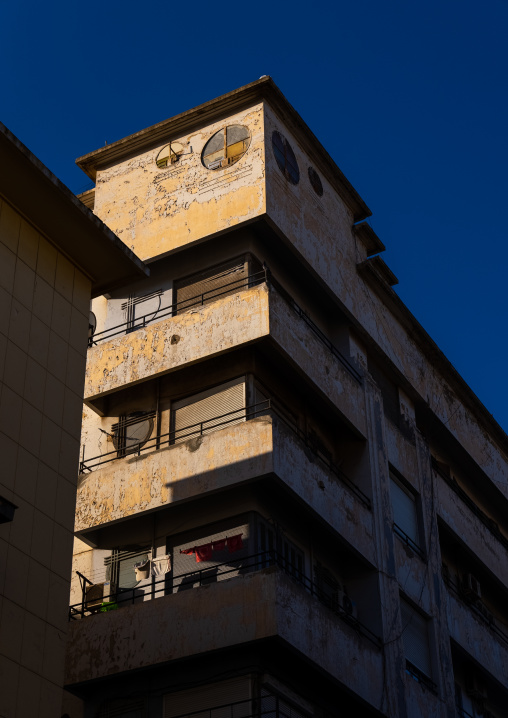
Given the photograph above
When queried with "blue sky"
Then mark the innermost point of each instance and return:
(409, 98)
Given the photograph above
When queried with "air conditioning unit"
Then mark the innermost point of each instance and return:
(471, 587)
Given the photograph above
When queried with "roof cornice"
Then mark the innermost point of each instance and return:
(263, 89)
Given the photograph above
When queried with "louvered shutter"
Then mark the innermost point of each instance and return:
(205, 412)
(227, 699)
(188, 573)
(210, 285)
(415, 638)
(404, 510)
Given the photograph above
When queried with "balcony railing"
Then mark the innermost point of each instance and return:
(264, 408)
(468, 501)
(171, 310)
(214, 574)
(252, 280)
(267, 706)
(405, 538)
(476, 606)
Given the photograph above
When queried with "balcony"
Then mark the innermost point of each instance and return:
(251, 606)
(470, 523)
(467, 622)
(214, 456)
(235, 317)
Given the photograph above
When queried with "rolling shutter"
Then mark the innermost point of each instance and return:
(415, 638)
(227, 699)
(209, 286)
(207, 411)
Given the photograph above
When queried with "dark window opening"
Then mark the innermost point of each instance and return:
(285, 158)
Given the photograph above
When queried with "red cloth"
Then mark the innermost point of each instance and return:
(188, 551)
(219, 545)
(235, 543)
(204, 553)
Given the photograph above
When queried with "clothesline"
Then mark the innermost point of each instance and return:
(204, 552)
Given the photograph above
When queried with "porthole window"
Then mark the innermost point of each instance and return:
(315, 181)
(285, 158)
(132, 431)
(226, 147)
(169, 154)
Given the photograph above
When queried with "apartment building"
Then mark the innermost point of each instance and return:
(289, 502)
(54, 255)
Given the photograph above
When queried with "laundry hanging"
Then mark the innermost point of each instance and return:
(160, 566)
(204, 552)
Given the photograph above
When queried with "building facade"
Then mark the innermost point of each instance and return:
(288, 502)
(54, 256)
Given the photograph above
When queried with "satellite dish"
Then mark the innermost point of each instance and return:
(92, 326)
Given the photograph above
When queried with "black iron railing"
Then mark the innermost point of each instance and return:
(408, 541)
(264, 408)
(267, 706)
(252, 280)
(214, 574)
(468, 501)
(477, 608)
(172, 310)
(420, 676)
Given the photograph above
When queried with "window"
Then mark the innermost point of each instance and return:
(209, 410)
(315, 181)
(170, 154)
(405, 513)
(226, 147)
(285, 158)
(142, 310)
(132, 432)
(415, 637)
(217, 282)
(120, 567)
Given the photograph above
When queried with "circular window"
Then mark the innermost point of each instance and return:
(169, 154)
(285, 158)
(132, 431)
(226, 147)
(315, 181)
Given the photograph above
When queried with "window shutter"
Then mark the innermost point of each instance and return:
(204, 412)
(212, 701)
(415, 638)
(212, 284)
(404, 510)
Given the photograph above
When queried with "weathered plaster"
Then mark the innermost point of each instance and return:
(155, 210)
(248, 608)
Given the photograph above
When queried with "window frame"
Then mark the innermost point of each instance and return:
(416, 542)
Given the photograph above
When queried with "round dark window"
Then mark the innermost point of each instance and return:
(285, 158)
(132, 431)
(226, 147)
(315, 181)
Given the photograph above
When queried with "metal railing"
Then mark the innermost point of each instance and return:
(420, 676)
(171, 310)
(214, 574)
(476, 606)
(408, 541)
(264, 408)
(252, 280)
(468, 501)
(268, 705)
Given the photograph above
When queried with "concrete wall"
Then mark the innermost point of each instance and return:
(43, 329)
(248, 608)
(155, 210)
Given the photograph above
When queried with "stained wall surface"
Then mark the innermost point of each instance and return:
(155, 210)
(43, 328)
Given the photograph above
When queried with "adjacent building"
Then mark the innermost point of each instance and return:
(54, 255)
(289, 502)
